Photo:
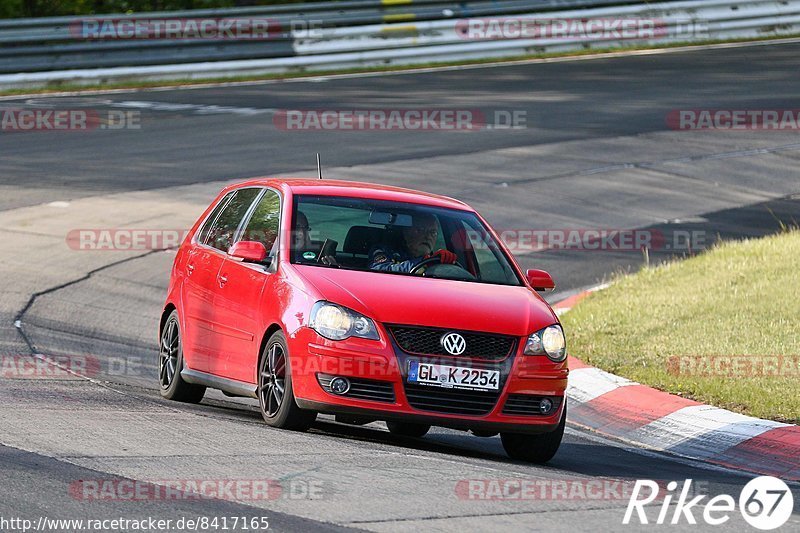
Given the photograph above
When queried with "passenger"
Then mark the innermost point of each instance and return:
(302, 245)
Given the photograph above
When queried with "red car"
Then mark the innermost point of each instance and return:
(368, 302)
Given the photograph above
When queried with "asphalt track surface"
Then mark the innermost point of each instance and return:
(595, 152)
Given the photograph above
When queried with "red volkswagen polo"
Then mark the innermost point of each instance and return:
(369, 302)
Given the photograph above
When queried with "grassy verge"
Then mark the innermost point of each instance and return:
(56, 87)
(722, 328)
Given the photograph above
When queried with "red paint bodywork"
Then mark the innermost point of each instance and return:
(228, 308)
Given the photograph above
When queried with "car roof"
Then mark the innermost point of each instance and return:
(354, 189)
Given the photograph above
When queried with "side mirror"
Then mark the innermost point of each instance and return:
(540, 280)
(249, 251)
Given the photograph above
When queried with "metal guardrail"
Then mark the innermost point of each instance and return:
(683, 21)
(326, 35)
(30, 45)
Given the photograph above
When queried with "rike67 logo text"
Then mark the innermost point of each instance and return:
(765, 503)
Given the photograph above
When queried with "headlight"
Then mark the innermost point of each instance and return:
(549, 341)
(338, 323)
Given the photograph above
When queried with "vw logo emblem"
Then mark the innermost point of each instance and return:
(454, 344)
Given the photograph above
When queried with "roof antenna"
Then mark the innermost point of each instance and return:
(319, 167)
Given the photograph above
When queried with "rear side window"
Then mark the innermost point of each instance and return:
(222, 230)
(202, 236)
(263, 225)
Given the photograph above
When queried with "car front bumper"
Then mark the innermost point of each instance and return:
(384, 362)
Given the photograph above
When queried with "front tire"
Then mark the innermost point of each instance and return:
(170, 364)
(275, 393)
(535, 448)
(407, 429)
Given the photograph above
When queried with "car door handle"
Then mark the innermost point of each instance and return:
(223, 279)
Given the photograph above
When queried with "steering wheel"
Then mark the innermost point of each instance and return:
(420, 267)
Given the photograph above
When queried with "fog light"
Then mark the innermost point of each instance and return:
(340, 385)
(545, 406)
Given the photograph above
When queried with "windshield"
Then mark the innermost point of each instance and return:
(396, 238)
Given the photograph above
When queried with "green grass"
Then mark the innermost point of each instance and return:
(740, 298)
(54, 87)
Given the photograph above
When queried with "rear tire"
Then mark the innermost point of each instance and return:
(535, 448)
(275, 393)
(407, 429)
(170, 364)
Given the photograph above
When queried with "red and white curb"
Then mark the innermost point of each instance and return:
(568, 303)
(626, 410)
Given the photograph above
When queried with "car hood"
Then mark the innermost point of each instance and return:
(411, 300)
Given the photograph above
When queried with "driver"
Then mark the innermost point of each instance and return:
(417, 245)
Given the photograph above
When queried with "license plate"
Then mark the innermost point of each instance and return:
(452, 377)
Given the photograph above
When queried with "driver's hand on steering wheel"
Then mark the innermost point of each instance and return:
(446, 257)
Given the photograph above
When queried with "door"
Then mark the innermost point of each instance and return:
(244, 291)
(203, 318)
(200, 273)
(202, 269)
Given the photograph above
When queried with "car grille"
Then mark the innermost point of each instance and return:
(528, 405)
(427, 341)
(362, 389)
(452, 401)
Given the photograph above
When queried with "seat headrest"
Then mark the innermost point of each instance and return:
(361, 239)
